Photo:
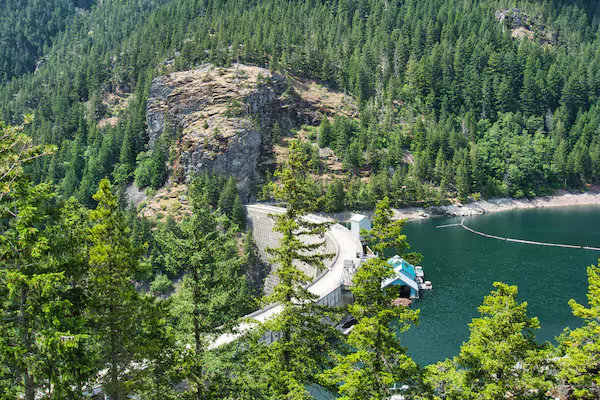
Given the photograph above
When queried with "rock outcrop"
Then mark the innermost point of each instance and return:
(210, 113)
(525, 26)
(220, 119)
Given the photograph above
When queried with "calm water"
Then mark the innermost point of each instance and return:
(463, 266)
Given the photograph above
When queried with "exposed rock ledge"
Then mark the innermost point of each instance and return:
(222, 118)
(209, 111)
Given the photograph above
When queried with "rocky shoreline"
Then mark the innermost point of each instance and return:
(497, 205)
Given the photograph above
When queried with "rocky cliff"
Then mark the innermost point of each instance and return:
(220, 119)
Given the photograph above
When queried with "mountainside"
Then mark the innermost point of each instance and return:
(456, 99)
(28, 28)
(233, 121)
(223, 118)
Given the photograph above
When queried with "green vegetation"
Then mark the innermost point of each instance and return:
(28, 29)
(295, 358)
(114, 262)
(214, 292)
(450, 104)
(501, 357)
(152, 168)
(377, 361)
(579, 367)
(77, 308)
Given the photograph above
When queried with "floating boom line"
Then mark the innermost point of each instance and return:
(447, 226)
(568, 246)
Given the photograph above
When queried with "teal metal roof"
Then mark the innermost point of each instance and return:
(401, 265)
(404, 275)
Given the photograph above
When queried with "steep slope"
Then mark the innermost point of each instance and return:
(27, 28)
(221, 119)
(453, 102)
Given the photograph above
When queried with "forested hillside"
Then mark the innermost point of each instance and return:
(456, 97)
(27, 30)
(371, 104)
(78, 318)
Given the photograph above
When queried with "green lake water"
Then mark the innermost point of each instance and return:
(462, 267)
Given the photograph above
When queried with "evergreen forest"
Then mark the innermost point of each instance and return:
(457, 100)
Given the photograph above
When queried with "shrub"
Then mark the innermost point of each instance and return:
(161, 284)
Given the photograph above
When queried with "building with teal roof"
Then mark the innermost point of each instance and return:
(405, 275)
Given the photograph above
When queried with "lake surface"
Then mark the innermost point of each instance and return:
(463, 266)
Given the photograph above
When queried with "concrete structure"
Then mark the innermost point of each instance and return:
(358, 222)
(348, 251)
(332, 284)
(262, 225)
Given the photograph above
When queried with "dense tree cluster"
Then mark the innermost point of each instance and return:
(27, 30)
(77, 312)
(451, 104)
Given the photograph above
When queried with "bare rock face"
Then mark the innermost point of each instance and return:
(525, 26)
(212, 114)
(220, 119)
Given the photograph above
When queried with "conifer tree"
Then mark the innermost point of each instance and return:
(275, 133)
(334, 197)
(440, 165)
(377, 361)
(71, 360)
(16, 149)
(214, 291)
(114, 303)
(581, 361)
(231, 204)
(35, 313)
(500, 360)
(293, 360)
(325, 137)
(463, 180)
(238, 213)
(162, 357)
(77, 161)
(254, 269)
(386, 233)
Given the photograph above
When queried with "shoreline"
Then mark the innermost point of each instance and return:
(563, 199)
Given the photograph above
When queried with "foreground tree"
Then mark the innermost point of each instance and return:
(386, 233)
(298, 354)
(580, 366)
(161, 354)
(501, 359)
(214, 291)
(35, 313)
(376, 361)
(114, 303)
